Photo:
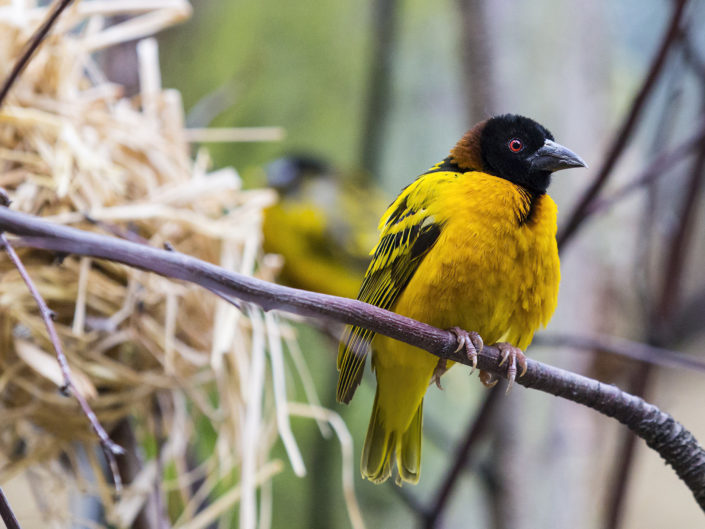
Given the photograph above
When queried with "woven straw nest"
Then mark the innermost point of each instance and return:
(75, 151)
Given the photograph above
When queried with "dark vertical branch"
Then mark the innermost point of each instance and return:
(689, 321)
(692, 55)
(676, 258)
(461, 458)
(384, 15)
(666, 120)
(627, 128)
(506, 495)
(6, 514)
(617, 489)
(322, 465)
(476, 59)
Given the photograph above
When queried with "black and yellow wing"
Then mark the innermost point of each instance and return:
(408, 231)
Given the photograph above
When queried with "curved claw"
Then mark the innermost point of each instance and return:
(438, 372)
(523, 364)
(471, 342)
(514, 356)
(505, 355)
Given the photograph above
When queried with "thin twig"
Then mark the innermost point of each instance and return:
(622, 347)
(109, 447)
(661, 432)
(32, 46)
(689, 321)
(656, 169)
(8, 517)
(617, 147)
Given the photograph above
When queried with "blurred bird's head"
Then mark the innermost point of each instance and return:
(288, 173)
(514, 148)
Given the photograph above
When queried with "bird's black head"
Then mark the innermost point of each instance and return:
(517, 149)
(288, 173)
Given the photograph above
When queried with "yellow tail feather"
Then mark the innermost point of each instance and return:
(409, 450)
(382, 445)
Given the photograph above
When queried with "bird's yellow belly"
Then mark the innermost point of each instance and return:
(500, 282)
(498, 286)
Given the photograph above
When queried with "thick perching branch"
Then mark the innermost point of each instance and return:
(661, 432)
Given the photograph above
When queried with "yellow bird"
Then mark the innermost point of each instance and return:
(470, 244)
(323, 224)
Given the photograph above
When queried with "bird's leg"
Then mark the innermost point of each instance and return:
(471, 342)
(514, 357)
(441, 368)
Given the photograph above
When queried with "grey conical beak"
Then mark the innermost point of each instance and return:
(554, 157)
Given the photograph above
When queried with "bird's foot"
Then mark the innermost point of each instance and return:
(438, 372)
(513, 357)
(471, 342)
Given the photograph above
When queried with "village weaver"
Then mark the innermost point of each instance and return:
(470, 244)
(323, 224)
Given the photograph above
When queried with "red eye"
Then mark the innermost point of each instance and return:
(515, 145)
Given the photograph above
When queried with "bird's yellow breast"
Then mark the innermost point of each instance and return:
(488, 271)
(494, 268)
